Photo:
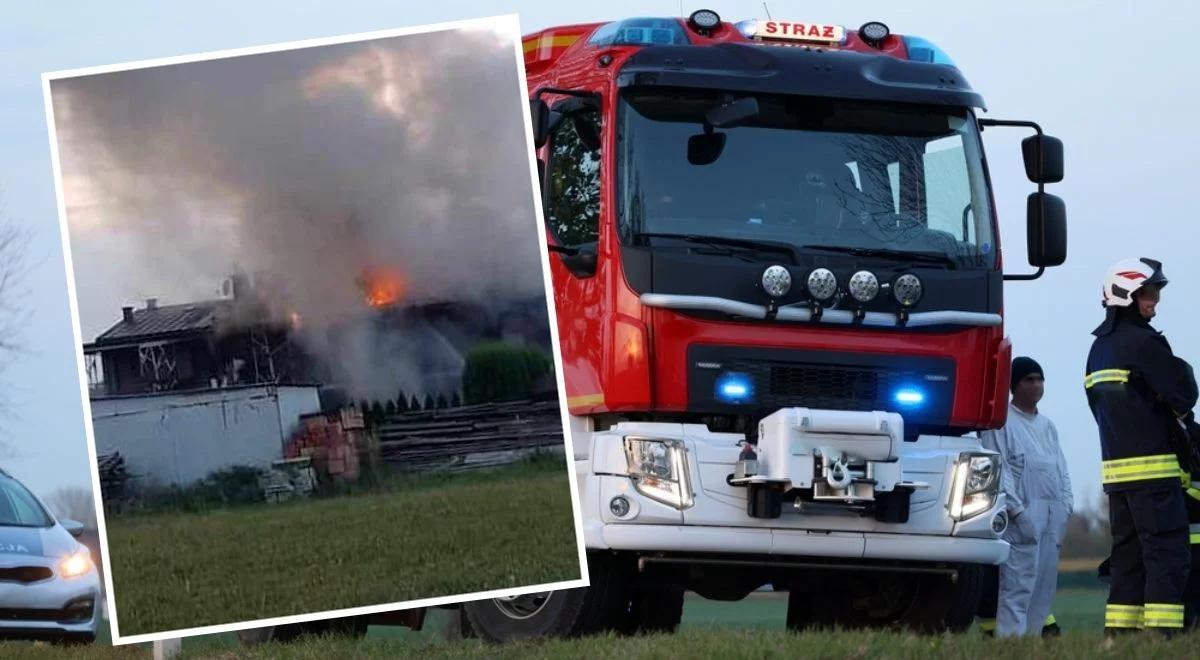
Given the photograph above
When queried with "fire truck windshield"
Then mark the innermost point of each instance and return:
(876, 179)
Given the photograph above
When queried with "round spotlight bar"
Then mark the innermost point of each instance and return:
(874, 33)
(822, 284)
(704, 21)
(776, 281)
(908, 289)
(864, 286)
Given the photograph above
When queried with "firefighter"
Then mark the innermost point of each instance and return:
(1189, 457)
(1135, 386)
(1192, 590)
(1037, 491)
(1190, 445)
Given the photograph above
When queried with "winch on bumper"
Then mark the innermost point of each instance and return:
(852, 486)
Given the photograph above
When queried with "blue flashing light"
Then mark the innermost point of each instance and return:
(909, 397)
(923, 50)
(641, 32)
(735, 388)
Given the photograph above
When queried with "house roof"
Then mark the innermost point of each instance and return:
(163, 321)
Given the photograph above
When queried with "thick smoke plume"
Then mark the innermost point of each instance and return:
(312, 165)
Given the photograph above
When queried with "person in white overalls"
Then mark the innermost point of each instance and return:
(1037, 488)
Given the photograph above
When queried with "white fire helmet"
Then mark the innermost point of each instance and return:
(1129, 275)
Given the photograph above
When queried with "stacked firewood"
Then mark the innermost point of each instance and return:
(468, 437)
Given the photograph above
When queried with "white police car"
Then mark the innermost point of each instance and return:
(49, 587)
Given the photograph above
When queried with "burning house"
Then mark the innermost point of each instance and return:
(224, 342)
(245, 337)
(180, 390)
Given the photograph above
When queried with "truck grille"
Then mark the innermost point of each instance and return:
(25, 574)
(783, 378)
(816, 386)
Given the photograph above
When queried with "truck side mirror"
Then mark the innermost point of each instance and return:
(73, 527)
(1043, 158)
(539, 117)
(1046, 216)
(582, 263)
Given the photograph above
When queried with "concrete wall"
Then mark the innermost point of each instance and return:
(180, 437)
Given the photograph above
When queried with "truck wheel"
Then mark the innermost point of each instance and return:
(602, 606)
(654, 611)
(348, 626)
(810, 611)
(947, 605)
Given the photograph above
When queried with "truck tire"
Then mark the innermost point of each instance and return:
(655, 611)
(945, 604)
(601, 607)
(346, 626)
(926, 603)
(805, 613)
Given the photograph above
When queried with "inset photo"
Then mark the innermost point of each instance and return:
(311, 301)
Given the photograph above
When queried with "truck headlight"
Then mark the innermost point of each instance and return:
(75, 565)
(658, 468)
(975, 485)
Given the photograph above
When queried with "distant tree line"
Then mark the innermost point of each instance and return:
(492, 372)
(375, 412)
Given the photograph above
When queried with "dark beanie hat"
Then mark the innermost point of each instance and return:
(1022, 367)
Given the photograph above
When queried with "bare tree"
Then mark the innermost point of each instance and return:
(14, 241)
(74, 503)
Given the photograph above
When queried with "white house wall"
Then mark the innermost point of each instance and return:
(180, 438)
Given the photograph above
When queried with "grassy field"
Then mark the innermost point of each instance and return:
(750, 628)
(422, 538)
(746, 643)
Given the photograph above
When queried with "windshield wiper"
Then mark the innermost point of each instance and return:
(888, 253)
(720, 242)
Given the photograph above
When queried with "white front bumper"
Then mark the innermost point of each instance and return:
(717, 522)
(17, 600)
(795, 543)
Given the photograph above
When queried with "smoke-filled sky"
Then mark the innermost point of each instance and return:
(314, 164)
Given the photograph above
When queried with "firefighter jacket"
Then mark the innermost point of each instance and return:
(1136, 387)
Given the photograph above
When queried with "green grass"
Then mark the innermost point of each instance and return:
(698, 643)
(745, 643)
(422, 538)
(749, 628)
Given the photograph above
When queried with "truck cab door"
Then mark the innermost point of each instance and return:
(571, 196)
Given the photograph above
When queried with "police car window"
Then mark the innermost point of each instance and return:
(573, 189)
(19, 508)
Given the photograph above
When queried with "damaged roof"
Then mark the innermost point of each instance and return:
(163, 322)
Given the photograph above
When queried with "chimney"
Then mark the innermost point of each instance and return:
(152, 303)
(241, 285)
(127, 314)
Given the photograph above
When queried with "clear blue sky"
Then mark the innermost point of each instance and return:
(1111, 79)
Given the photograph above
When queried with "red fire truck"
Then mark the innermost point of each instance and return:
(778, 280)
(777, 274)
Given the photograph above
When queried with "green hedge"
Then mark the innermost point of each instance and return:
(496, 371)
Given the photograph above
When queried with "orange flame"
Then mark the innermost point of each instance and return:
(382, 286)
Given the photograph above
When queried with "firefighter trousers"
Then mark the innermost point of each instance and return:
(1151, 558)
(1191, 595)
